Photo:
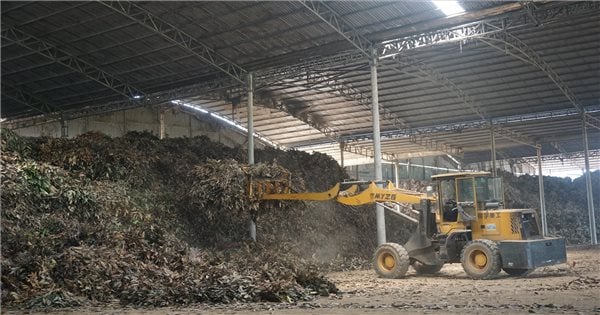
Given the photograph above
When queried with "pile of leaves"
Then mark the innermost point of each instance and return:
(141, 221)
(566, 202)
(76, 233)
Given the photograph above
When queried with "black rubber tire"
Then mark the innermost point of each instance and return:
(517, 272)
(426, 269)
(391, 261)
(481, 259)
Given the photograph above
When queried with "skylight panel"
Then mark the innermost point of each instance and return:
(449, 8)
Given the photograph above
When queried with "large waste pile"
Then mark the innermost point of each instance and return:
(141, 221)
(566, 202)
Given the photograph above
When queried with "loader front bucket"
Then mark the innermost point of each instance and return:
(419, 246)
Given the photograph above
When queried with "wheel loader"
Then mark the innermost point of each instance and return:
(465, 223)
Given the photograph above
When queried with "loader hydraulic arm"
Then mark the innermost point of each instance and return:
(352, 195)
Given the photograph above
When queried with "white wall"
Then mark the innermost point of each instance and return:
(116, 124)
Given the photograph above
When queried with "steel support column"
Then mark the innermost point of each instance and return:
(493, 152)
(252, 224)
(64, 128)
(379, 211)
(542, 198)
(161, 123)
(397, 173)
(588, 185)
(342, 148)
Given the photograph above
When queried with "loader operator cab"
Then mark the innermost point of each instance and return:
(461, 195)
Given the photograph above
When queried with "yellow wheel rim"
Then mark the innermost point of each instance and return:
(478, 259)
(387, 261)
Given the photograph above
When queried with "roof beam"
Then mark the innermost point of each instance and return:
(66, 59)
(367, 151)
(361, 98)
(513, 46)
(479, 124)
(461, 33)
(434, 76)
(30, 100)
(495, 30)
(211, 86)
(562, 157)
(337, 23)
(178, 37)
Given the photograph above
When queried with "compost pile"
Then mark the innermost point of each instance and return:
(142, 221)
(566, 202)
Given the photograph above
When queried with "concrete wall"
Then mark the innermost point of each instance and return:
(116, 124)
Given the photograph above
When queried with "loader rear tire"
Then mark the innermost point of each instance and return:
(426, 269)
(481, 259)
(391, 261)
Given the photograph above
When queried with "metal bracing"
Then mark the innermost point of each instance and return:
(65, 27)
(515, 136)
(367, 151)
(304, 68)
(176, 36)
(562, 157)
(479, 124)
(434, 76)
(62, 57)
(591, 121)
(205, 88)
(74, 41)
(462, 33)
(298, 28)
(30, 100)
(496, 30)
(435, 145)
(515, 47)
(558, 147)
(361, 98)
(335, 21)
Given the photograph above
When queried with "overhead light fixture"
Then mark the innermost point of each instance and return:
(449, 8)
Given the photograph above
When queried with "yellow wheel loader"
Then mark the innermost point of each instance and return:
(465, 223)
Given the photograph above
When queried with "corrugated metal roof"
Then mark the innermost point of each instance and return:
(271, 35)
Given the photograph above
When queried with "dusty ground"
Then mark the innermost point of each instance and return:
(557, 289)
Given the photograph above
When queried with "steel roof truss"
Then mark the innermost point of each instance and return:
(335, 21)
(66, 59)
(177, 36)
(35, 102)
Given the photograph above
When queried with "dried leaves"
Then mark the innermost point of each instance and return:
(77, 228)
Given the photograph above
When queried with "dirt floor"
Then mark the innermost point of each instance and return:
(572, 288)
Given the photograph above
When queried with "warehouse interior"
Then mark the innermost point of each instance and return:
(390, 90)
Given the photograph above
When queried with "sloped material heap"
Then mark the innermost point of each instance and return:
(132, 220)
(566, 203)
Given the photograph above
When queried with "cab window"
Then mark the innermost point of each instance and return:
(447, 190)
(465, 190)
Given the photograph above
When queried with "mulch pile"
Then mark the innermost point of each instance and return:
(566, 202)
(137, 220)
(142, 221)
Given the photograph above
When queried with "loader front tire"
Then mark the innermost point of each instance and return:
(391, 261)
(481, 259)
